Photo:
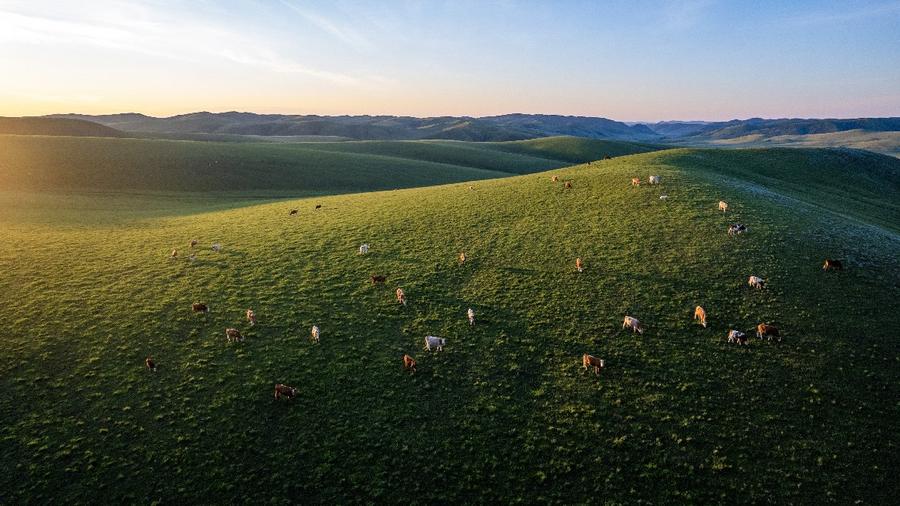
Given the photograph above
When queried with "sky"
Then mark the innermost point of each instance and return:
(628, 60)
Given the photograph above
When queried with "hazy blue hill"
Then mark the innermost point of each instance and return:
(56, 126)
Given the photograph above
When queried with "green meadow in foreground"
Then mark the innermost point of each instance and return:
(505, 413)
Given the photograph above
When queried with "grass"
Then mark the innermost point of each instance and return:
(66, 164)
(504, 414)
(887, 143)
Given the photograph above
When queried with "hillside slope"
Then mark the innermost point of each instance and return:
(56, 126)
(140, 165)
(505, 413)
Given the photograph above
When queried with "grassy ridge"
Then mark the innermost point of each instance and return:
(504, 413)
(95, 164)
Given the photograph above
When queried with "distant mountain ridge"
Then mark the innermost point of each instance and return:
(56, 127)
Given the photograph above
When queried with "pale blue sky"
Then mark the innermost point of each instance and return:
(688, 59)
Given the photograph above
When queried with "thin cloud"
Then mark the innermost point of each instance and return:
(345, 34)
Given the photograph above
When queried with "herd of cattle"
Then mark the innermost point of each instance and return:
(763, 330)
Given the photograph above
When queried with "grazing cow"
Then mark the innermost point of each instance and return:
(199, 307)
(635, 181)
(314, 333)
(251, 317)
(233, 335)
(471, 188)
(194, 242)
(700, 314)
(318, 206)
(462, 257)
(592, 361)
(293, 212)
(216, 247)
(174, 253)
(579, 265)
(568, 185)
(832, 265)
(663, 197)
(364, 248)
(437, 342)
(736, 229)
(723, 206)
(653, 180)
(768, 331)
(378, 279)
(633, 324)
(409, 364)
(756, 282)
(736, 336)
(471, 315)
(151, 365)
(284, 391)
(554, 179)
(401, 296)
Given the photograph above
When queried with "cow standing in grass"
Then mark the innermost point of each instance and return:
(756, 282)
(174, 254)
(633, 324)
(151, 365)
(364, 248)
(462, 257)
(555, 179)
(635, 181)
(251, 317)
(723, 206)
(653, 180)
(471, 315)
(593, 362)
(436, 342)
(199, 307)
(314, 333)
(832, 265)
(700, 314)
(284, 391)
(736, 336)
(568, 185)
(233, 335)
(767, 331)
(216, 247)
(401, 296)
(194, 243)
(409, 364)
(579, 265)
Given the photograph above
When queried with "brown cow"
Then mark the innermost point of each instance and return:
(318, 206)
(579, 265)
(462, 257)
(832, 265)
(554, 179)
(592, 361)
(766, 330)
(151, 365)
(194, 242)
(251, 317)
(401, 296)
(293, 212)
(409, 364)
(284, 391)
(378, 279)
(633, 323)
(700, 314)
(568, 185)
(635, 181)
(233, 335)
(199, 307)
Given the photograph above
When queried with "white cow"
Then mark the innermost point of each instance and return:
(663, 197)
(633, 324)
(364, 249)
(437, 342)
(723, 206)
(216, 247)
(756, 282)
(315, 333)
(471, 315)
(736, 336)
(654, 180)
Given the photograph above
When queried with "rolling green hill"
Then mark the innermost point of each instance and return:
(273, 169)
(505, 413)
